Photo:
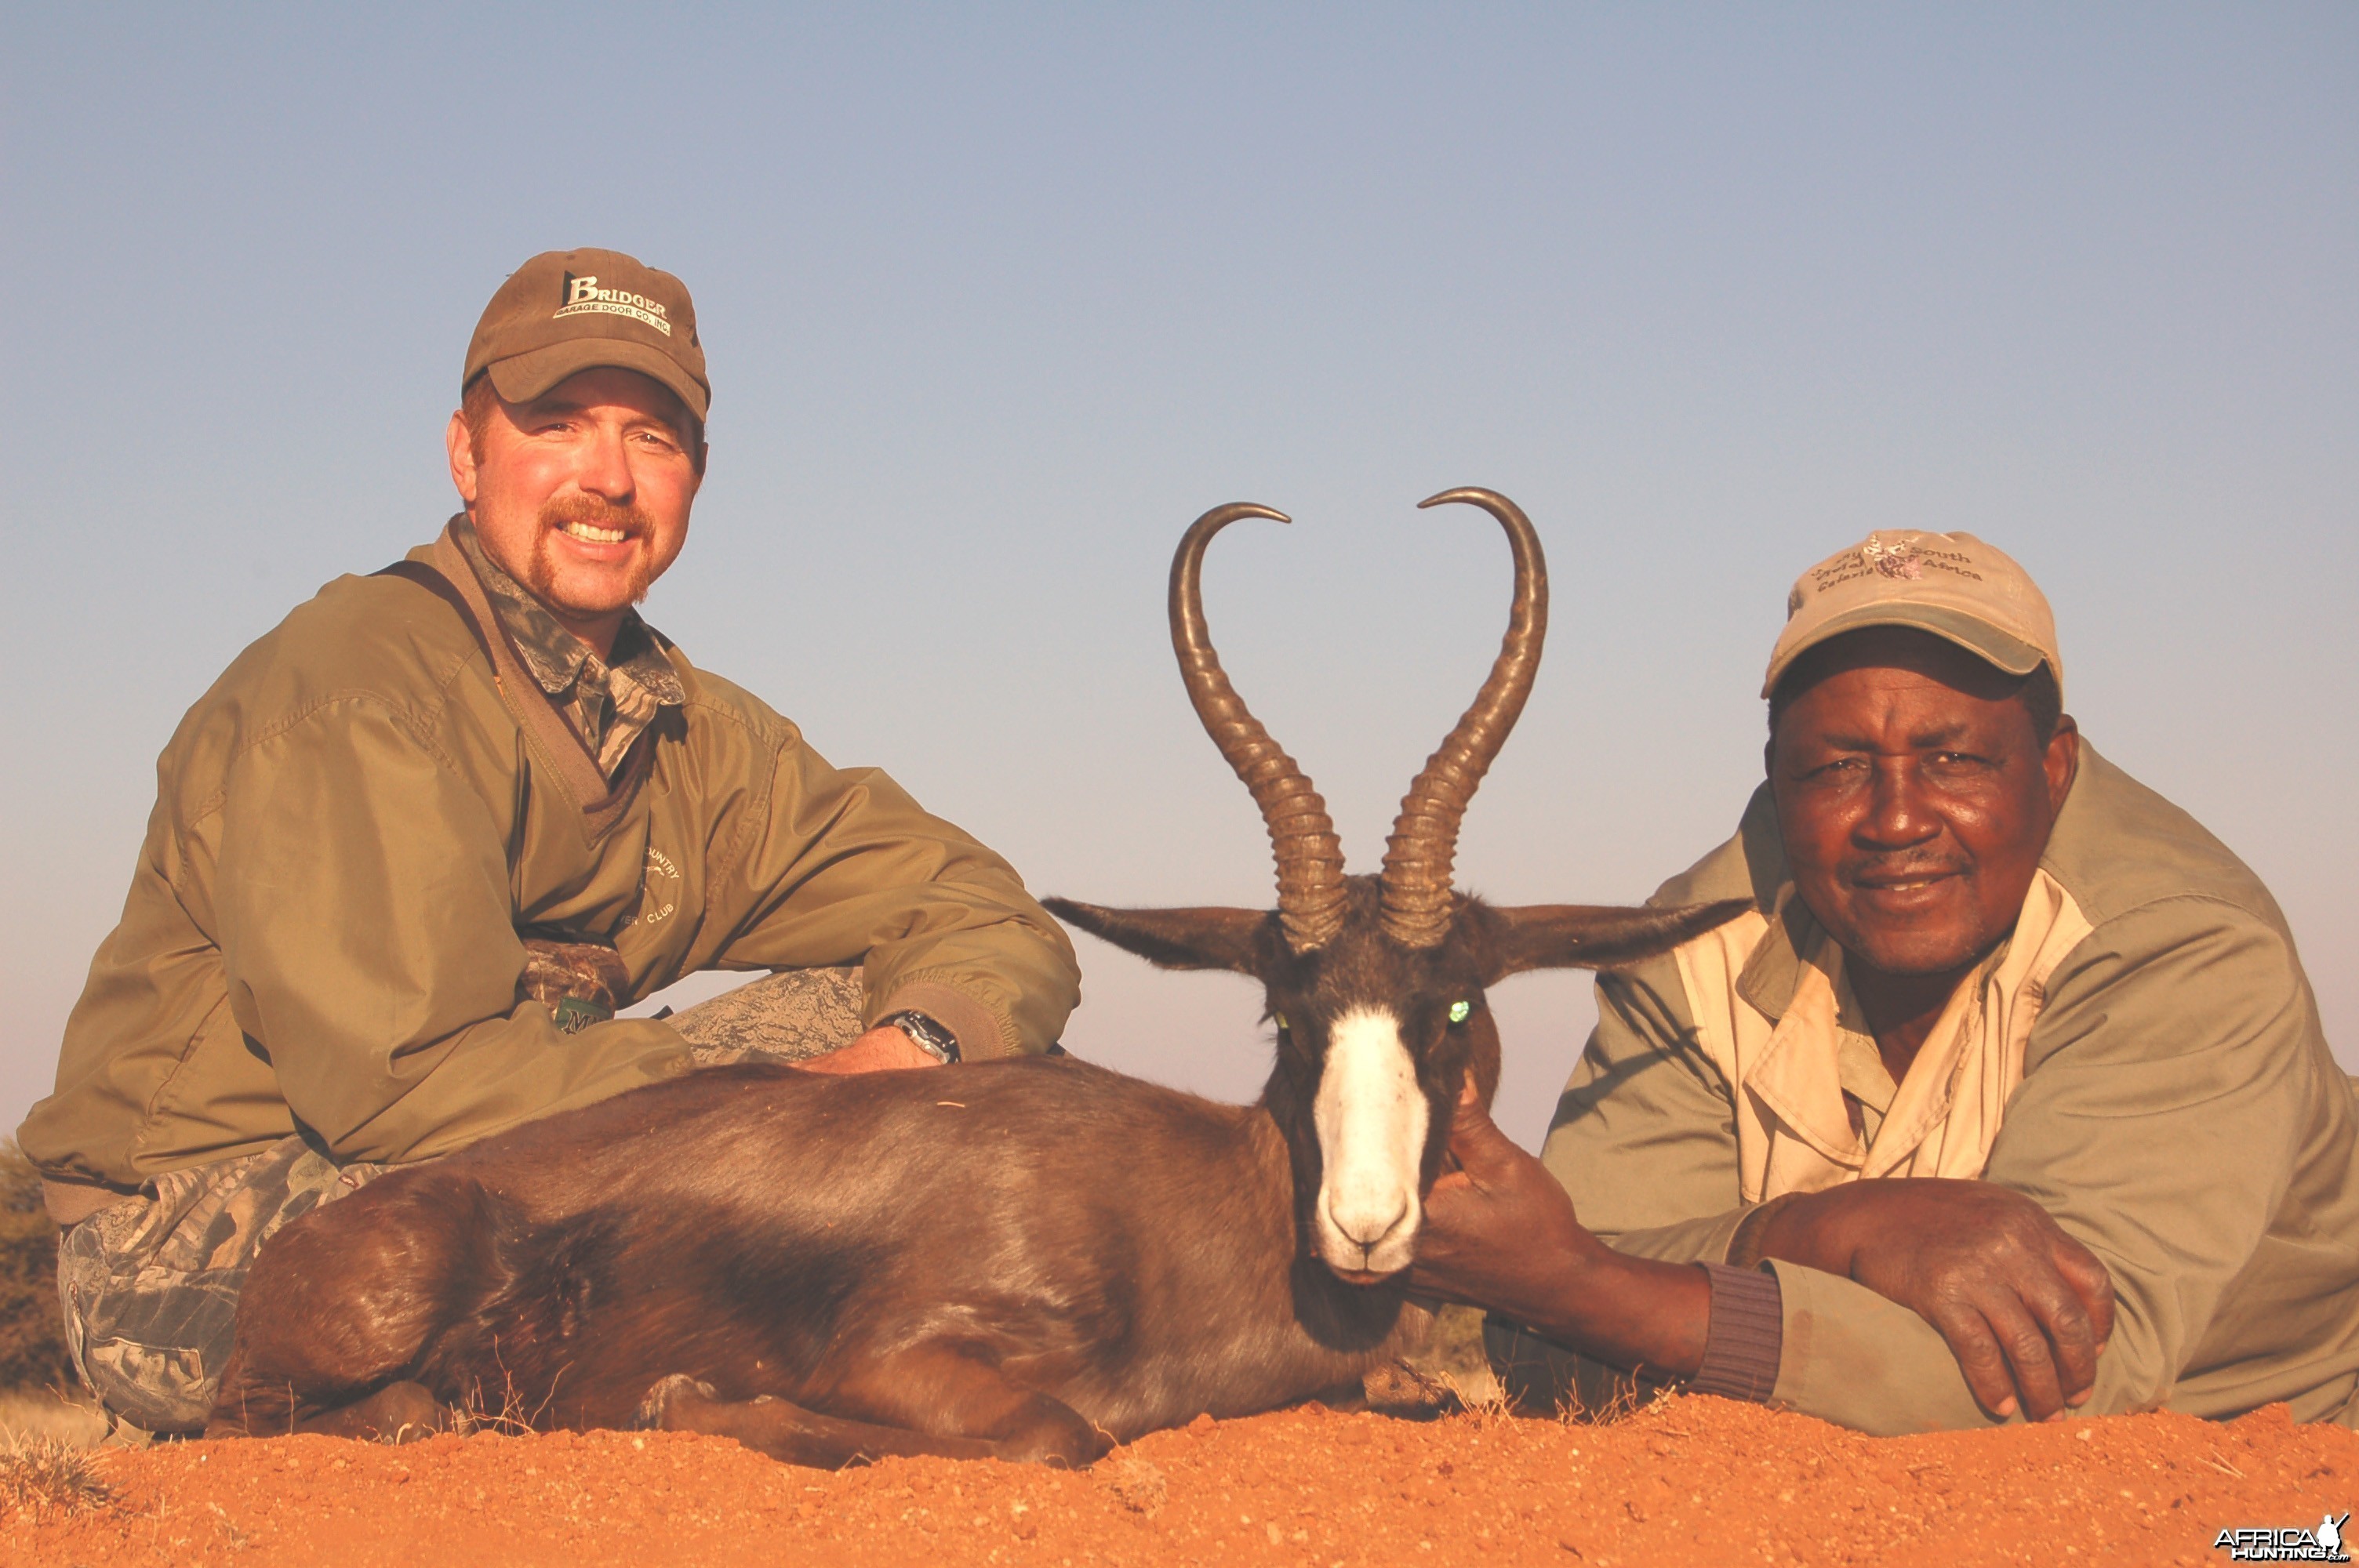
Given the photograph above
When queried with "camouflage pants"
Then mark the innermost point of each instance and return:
(149, 1286)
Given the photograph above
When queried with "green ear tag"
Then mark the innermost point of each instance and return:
(1459, 1012)
(1279, 1018)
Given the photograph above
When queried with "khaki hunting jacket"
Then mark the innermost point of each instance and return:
(354, 824)
(2143, 1057)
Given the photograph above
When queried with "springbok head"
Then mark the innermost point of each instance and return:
(1375, 984)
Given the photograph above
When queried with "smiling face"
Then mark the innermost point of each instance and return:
(1914, 796)
(581, 494)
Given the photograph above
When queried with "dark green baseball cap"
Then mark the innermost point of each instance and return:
(567, 311)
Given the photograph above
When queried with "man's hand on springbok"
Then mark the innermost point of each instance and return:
(1500, 1230)
(880, 1050)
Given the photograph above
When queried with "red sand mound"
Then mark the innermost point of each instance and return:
(1690, 1480)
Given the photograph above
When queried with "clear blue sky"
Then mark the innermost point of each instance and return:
(998, 300)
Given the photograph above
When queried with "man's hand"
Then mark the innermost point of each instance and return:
(1499, 1230)
(2026, 1309)
(880, 1049)
(1500, 1233)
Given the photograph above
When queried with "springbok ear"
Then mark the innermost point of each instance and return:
(1589, 936)
(1176, 939)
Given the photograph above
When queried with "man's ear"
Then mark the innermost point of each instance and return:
(462, 448)
(1587, 936)
(1176, 938)
(2062, 762)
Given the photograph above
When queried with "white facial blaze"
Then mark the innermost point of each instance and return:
(1371, 1118)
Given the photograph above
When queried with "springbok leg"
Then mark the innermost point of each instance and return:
(399, 1412)
(939, 1389)
(924, 1402)
(790, 1433)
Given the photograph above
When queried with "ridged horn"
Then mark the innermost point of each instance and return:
(1302, 834)
(1416, 881)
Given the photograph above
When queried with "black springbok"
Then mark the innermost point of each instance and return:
(1026, 1260)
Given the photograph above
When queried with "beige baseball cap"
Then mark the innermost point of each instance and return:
(565, 311)
(1952, 585)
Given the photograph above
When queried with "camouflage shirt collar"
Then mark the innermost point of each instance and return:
(609, 705)
(555, 655)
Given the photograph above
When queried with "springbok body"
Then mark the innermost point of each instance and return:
(1026, 1260)
(889, 1249)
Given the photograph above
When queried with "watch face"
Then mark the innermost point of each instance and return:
(928, 1036)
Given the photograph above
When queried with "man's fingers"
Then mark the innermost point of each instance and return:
(1476, 1142)
(2055, 1303)
(1453, 1233)
(2091, 1283)
(1979, 1357)
(2031, 1358)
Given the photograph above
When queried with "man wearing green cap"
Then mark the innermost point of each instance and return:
(2009, 1097)
(421, 840)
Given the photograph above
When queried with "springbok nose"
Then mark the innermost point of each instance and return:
(1369, 1220)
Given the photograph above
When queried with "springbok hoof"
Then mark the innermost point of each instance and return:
(657, 1411)
(406, 1413)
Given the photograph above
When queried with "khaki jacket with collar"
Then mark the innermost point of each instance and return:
(2145, 1062)
(350, 828)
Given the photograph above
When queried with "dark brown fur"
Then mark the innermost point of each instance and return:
(1028, 1259)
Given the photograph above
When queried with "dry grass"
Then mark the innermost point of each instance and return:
(46, 1414)
(1483, 1398)
(474, 1413)
(1449, 1374)
(41, 1475)
(1630, 1400)
(32, 1334)
(1454, 1358)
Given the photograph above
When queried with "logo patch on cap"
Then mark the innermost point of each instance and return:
(1893, 557)
(582, 297)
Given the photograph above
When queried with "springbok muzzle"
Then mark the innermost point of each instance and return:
(1372, 1120)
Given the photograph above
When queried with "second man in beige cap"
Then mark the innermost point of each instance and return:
(2008, 1098)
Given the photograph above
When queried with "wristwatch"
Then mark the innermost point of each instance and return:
(930, 1037)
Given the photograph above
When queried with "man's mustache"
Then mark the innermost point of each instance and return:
(597, 511)
(1904, 867)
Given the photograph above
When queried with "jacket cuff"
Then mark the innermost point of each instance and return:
(976, 1027)
(1745, 1338)
(70, 1203)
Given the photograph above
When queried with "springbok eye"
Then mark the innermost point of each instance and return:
(1459, 1012)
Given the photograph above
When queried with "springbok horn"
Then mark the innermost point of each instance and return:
(1415, 884)
(1310, 856)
